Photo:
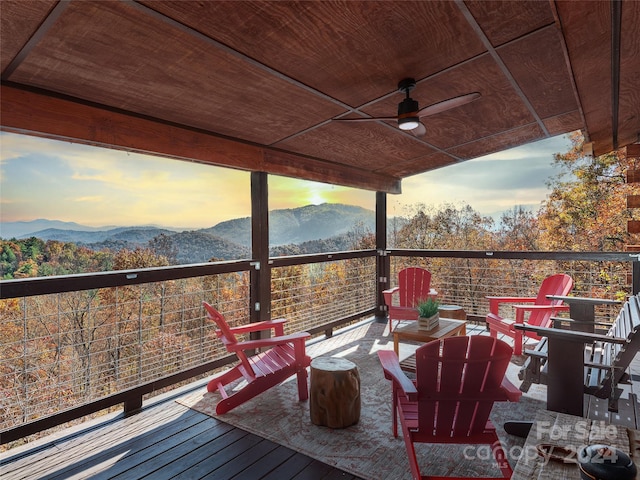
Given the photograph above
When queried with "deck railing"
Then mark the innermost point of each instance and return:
(74, 345)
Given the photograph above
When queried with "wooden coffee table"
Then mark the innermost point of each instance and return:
(446, 328)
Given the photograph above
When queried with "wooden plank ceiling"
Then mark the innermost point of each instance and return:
(259, 85)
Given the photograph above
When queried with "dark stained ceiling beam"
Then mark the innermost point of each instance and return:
(49, 116)
(616, 21)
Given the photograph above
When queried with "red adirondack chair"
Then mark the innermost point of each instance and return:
(285, 356)
(540, 311)
(413, 286)
(458, 379)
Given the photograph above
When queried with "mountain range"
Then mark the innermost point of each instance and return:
(226, 240)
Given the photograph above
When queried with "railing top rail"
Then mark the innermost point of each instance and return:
(515, 255)
(26, 287)
(319, 257)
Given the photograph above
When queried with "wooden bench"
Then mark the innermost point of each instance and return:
(573, 362)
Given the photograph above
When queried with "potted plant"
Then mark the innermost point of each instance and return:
(428, 316)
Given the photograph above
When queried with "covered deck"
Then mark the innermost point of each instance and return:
(264, 87)
(169, 440)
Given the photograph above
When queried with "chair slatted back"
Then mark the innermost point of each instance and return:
(626, 326)
(228, 338)
(458, 380)
(414, 284)
(559, 284)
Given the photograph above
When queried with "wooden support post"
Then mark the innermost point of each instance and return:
(383, 265)
(261, 275)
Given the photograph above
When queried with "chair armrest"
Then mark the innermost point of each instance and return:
(521, 309)
(584, 300)
(392, 371)
(388, 295)
(494, 302)
(511, 299)
(276, 324)
(513, 393)
(571, 335)
(530, 308)
(580, 322)
(268, 342)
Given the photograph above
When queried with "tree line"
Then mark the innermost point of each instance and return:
(61, 350)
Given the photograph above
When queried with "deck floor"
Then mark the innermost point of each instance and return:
(168, 440)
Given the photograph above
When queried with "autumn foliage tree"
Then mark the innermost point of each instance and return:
(586, 210)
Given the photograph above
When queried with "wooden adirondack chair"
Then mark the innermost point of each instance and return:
(572, 363)
(413, 286)
(540, 311)
(458, 379)
(285, 356)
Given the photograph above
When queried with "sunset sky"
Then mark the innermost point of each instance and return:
(55, 180)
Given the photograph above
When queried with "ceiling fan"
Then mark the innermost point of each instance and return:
(409, 113)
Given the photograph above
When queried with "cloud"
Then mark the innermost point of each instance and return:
(98, 186)
(93, 199)
(490, 184)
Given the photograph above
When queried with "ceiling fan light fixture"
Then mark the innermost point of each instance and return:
(408, 123)
(408, 114)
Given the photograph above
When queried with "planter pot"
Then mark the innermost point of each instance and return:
(428, 323)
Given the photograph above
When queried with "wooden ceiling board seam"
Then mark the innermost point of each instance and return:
(385, 124)
(536, 53)
(474, 25)
(616, 21)
(503, 21)
(588, 38)
(157, 88)
(564, 122)
(221, 46)
(358, 49)
(567, 60)
(502, 141)
(38, 35)
(419, 81)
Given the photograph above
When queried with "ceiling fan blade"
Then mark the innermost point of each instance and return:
(419, 131)
(371, 119)
(448, 104)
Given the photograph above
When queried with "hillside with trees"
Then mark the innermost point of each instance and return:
(585, 211)
(64, 349)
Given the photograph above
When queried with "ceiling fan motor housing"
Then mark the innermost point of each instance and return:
(408, 114)
(407, 108)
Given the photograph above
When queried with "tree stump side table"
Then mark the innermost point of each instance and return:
(452, 311)
(334, 399)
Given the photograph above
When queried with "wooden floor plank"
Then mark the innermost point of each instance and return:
(142, 448)
(272, 461)
(204, 461)
(66, 452)
(315, 469)
(289, 469)
(250, 457)
(335, 474)
(108, 440)
(213, 438)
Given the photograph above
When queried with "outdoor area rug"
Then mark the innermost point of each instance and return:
(367, 449)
